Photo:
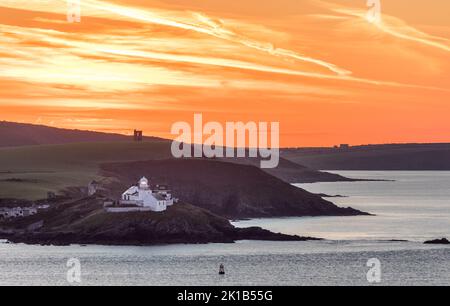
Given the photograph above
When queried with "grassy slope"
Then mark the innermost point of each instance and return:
(87, 216)
(30, 172)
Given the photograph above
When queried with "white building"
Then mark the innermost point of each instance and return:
(145, 198)
(16, 212)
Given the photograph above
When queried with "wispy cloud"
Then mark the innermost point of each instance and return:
(398, 28)
(128, 61)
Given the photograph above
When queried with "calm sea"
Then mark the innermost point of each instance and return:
(415, 206)
(407, 205)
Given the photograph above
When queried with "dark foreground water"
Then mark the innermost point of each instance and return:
(246, 262)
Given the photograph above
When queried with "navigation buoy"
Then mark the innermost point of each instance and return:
(221, 270)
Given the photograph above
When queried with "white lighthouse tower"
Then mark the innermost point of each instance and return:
(143, 184)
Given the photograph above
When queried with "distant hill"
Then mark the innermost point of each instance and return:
(30, 172)
(83, 151)
(291, 172)
(21, 134)
(374, 157)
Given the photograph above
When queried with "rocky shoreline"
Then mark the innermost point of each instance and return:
(181, 224)
(66, 239)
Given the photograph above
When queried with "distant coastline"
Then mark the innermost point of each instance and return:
(383, 157)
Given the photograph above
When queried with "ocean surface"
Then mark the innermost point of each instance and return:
(414, 206)
(407, 205)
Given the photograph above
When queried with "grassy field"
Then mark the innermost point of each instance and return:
(30, 172)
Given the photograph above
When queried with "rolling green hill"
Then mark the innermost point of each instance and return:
(30, 172)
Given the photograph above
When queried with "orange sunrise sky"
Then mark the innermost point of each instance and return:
(320, 68)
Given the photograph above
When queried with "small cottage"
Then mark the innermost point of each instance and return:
(16, 212)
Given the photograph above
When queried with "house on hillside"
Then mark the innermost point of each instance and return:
(16, 212)
(143, 197)
(92, 188)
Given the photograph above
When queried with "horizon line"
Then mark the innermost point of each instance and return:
(336, 146)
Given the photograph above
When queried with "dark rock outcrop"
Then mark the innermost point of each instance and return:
(438, 241)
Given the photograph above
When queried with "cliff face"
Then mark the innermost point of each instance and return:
(85, 222)
(226, 189)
